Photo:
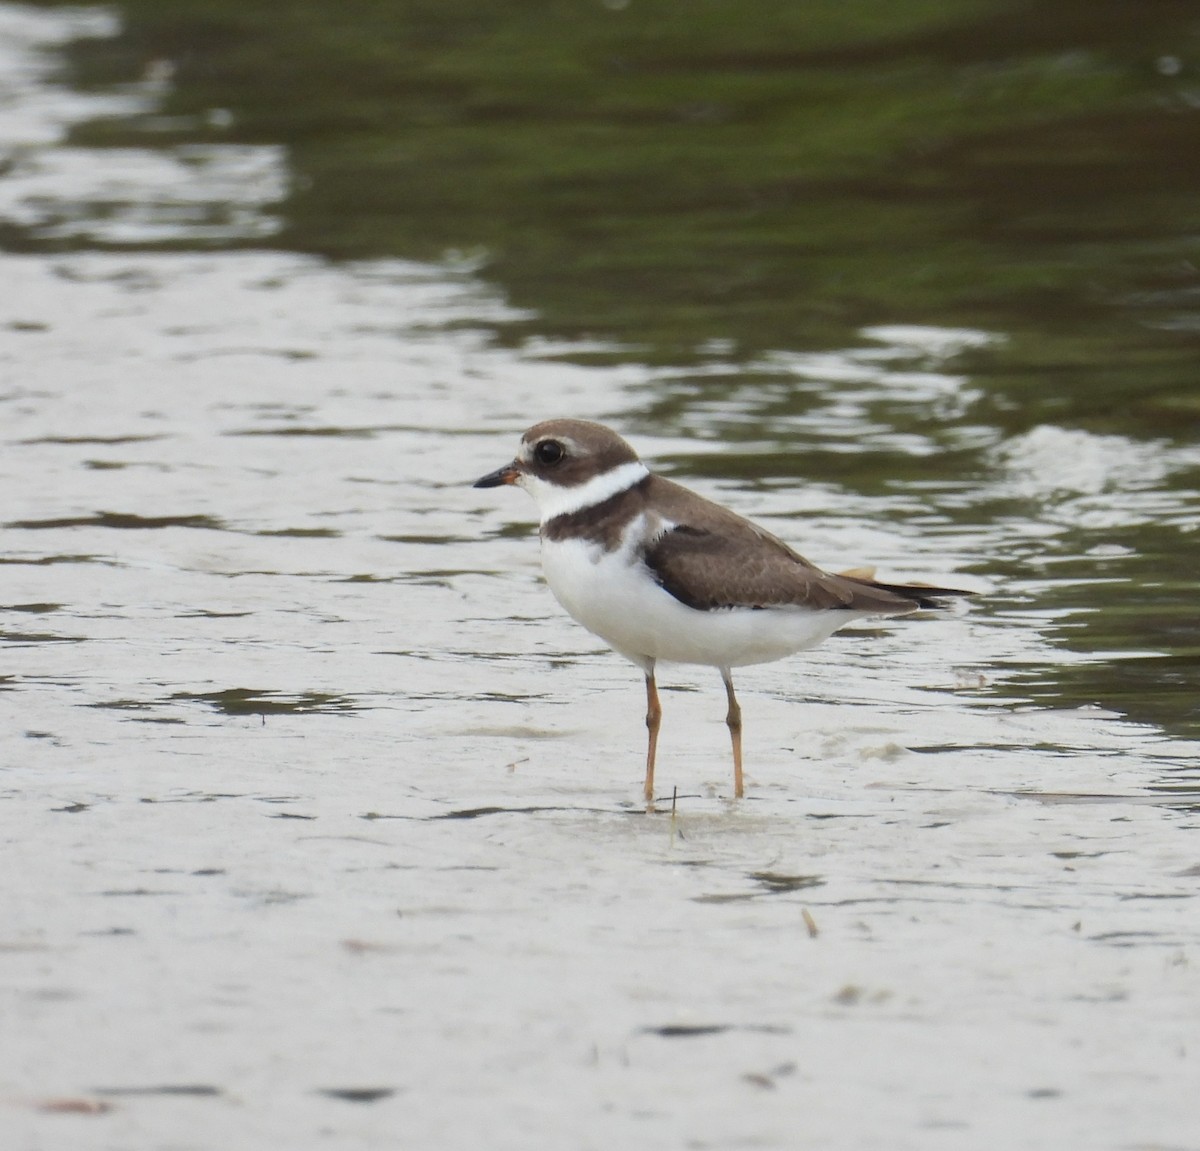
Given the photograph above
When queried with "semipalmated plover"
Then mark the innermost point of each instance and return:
(660, 573)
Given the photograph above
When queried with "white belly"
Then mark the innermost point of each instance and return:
(613, 595)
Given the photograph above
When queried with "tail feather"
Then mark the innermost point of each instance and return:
(923, 595)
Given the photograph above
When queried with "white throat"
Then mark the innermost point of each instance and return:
(554, 500)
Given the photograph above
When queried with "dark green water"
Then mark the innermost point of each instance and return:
(708, 182)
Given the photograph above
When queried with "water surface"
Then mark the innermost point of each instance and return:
(327, 821)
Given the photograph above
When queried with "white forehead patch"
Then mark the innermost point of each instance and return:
(553, 500)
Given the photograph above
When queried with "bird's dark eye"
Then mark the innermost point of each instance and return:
(549, 452)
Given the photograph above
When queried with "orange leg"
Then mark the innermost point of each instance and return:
(733, 720)
(653, 721)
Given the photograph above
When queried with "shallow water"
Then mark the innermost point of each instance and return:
(323, 822)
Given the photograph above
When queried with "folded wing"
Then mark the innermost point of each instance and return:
(731, 562)
(709, 570)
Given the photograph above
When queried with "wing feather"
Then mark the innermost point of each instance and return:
(710, 558)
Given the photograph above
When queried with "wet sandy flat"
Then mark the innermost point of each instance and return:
(322, 821)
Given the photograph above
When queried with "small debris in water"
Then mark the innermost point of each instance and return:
(364, 946)
(687, 1030)
(74, 1106)
(774, 881)
(767, 1079)
(358, 1094)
